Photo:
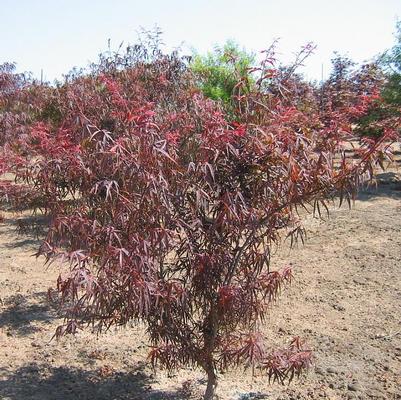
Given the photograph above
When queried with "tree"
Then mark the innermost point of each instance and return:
(167, 210)
(360, 90)
(391, 62)
(21, 100)
(218, 72)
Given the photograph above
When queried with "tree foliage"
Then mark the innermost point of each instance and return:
(391, 61)
(219, 72)
(348, 84)
(166, 210)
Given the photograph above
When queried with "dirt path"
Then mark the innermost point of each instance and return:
(346, 301)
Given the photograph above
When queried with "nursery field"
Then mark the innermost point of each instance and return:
(345, 301)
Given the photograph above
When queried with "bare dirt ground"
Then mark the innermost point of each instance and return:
(345, 301)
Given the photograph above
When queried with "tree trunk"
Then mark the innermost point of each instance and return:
(209, 337)
(211, 385)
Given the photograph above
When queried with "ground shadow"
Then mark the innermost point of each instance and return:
(19, 314)
(31, 225)
(388, 184)
(20, 243)
(30, 230)
(43, 382)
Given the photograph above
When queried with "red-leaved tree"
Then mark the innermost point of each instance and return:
(167, 212)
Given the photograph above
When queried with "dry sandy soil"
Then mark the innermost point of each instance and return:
(345, 301)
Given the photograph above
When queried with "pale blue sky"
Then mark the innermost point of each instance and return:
(58, 34)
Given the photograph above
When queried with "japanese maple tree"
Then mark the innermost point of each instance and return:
(361, 90)
(167, 209)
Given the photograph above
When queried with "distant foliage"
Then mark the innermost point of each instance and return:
(380, 81)
(219, 72)
(360, 89)
(391, 61)
(21, 102)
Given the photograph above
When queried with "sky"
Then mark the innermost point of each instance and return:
(56, 35)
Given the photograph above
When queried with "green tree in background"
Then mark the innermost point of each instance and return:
(219, 71)
(391, 62)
